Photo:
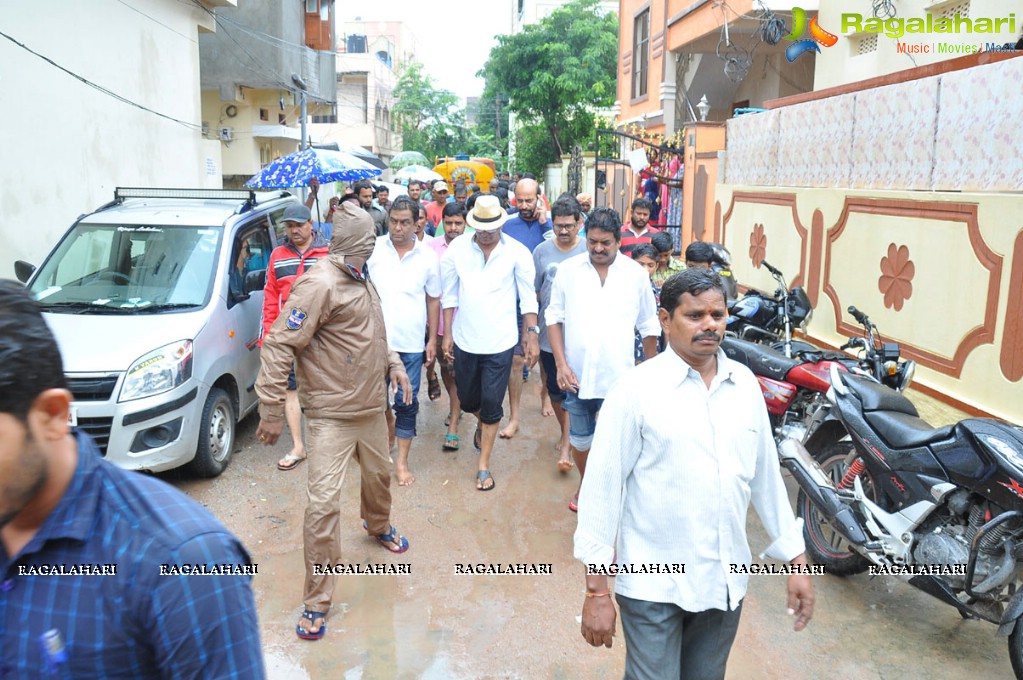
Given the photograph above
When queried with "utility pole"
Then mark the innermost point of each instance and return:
(295, 78)
(497, 105)
(305, 137)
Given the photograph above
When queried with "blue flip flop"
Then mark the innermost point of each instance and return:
(482, 476)
(388, 540)
(311, 616)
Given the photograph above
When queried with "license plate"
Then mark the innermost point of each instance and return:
(72, 416)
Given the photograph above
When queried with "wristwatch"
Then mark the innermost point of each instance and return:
(534, 329)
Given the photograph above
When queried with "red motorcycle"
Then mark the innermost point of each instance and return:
(795, 388)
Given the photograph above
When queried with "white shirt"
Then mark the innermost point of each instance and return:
(403, 284)
(485, 292)
(686, 460)
(599, 322)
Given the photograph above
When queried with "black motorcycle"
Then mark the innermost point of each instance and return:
(756, 317)
(941, 507)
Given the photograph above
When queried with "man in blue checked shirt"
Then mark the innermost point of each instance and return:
(84, 545)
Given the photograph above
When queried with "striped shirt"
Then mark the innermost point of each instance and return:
(630, 240)
(134, 622)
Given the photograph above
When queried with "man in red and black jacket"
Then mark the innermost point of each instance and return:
(287, 263)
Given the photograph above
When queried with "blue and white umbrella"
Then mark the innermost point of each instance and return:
(296, 169)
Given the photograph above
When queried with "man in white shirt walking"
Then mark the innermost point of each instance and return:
(686, 444)
(406, 275)
(481, 275)
(597, 302)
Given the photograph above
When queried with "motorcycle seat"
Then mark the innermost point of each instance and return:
(760, 359)
(905, 431)
(876, 397)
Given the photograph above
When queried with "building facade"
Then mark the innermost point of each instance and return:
(370, 55)
(136, 122)
(896, 186)
(255, 70)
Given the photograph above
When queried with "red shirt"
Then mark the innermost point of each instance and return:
(435, 212)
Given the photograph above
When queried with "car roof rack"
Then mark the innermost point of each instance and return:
(121, 193)
(247, 195)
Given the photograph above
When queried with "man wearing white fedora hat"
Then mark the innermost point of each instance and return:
(482, 275)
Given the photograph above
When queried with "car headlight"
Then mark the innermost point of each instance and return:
(158, 371)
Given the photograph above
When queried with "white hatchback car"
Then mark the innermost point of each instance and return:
(155, 300)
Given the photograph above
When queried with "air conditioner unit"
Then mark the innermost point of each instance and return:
(226, 134)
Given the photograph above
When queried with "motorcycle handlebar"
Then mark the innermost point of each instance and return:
(853, 342)
(858, 315)
(770, 268)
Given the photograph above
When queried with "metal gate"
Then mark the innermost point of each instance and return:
(615, 180)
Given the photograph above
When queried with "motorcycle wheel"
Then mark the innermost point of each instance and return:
(1016, 648)
(824, 544)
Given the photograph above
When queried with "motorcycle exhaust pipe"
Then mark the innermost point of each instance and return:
(821, 492)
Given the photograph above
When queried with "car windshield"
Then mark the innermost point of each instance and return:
(129, 269)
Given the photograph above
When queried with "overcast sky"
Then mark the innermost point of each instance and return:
(454, 39)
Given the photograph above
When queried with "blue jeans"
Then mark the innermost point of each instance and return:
(582, 420)
(405, 416)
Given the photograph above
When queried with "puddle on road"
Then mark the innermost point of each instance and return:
(440, 625)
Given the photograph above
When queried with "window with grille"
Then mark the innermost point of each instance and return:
(950, 10)
(640, 53)
(866, 44)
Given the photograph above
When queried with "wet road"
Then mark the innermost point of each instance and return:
(436, 624)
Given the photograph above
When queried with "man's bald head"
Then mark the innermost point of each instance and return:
(527, 185)
(526, 193)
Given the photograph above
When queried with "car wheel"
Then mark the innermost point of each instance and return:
(216, 435)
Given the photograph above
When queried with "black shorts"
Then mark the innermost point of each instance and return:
(482, 380)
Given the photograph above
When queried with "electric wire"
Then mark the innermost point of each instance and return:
(264, 71)
(157, 21)
(100, 88)
(883, 9)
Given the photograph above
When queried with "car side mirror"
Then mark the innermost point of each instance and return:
(23, 270)
(255, 281)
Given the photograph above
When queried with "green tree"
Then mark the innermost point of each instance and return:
(429, 119)
(556, 72)
(492, 124)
